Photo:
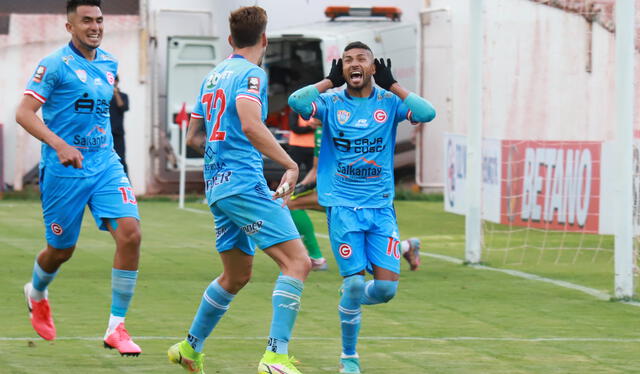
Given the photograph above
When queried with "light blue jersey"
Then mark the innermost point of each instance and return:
(232, 165)
(355, 168)
(75, 94)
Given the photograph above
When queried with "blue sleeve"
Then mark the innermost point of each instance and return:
(253, 86)
(418, 109)
(308, 102)
(44, 79)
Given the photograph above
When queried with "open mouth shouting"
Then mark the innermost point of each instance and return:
(356, 77)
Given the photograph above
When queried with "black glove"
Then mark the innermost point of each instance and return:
(383, 75)
(335, 75)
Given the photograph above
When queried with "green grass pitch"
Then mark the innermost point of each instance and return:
(446, 318)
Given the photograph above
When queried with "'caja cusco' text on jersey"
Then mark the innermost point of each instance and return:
(232, 165)
(75, 94)
(355, 168)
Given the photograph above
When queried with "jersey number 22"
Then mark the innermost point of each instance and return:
(217, 101)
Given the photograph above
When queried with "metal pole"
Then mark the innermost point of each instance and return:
(624, 261)
(183, 161)
(473, 233)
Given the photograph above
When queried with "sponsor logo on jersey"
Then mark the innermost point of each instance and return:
(111, 78)
(362, 123)
(343, 116)
(221, 231)
(359, 170)
(253, 84)
(82, 75)
(92, 141)
(56, 229)
(361, 145)
(218, 179)
(345, 250)
(380, 116)
(214, 166)
(97, 82)
(124, 180)
(37, 77)
(252, 228)
(87, 105)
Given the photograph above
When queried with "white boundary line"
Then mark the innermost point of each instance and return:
(377, 338)
(520, 274)
(515, 273)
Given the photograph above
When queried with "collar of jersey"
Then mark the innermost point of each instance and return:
(373, 92)
(233, 55)
(76, 51)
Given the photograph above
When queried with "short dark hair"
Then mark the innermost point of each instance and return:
(72, 5)
(354, 45)
(247, 25)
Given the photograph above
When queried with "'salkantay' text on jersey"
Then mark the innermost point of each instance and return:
(232, 165)
(355, 168)
(75, 94)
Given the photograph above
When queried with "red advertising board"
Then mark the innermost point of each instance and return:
(551, 185)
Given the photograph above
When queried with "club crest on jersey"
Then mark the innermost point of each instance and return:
(343, 116)
(380, 116)
(82, 75)
(110, 78)
(56, 229)
(253, 84)
(37, 77)
(345, 250)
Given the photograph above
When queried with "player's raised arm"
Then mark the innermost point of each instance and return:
(27, 118)
(260, 137)
(421, 109)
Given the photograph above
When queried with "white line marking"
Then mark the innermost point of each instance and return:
(520, 274)
(378, 338)
(589, 291)
(197, 210)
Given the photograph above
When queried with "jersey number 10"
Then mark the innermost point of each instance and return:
(219, 102)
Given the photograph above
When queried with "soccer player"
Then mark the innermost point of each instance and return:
(355, 174)
(305, 196)
(79, 167)
(232, 106)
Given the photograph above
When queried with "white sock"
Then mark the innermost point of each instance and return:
(114, 322)
(404, 246)
(37, 295)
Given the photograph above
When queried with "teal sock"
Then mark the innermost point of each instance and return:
(123, 283)
(286, 304)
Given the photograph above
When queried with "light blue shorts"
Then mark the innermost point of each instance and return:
(108, 194)
(244, 220)
(363, 237)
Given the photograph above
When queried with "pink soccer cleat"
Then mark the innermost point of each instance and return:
(119, 339)
(40, 314)
(412, 255)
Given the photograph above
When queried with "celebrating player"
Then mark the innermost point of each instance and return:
(79, 167)
(305, 196)
(232, 105)
(355, 174)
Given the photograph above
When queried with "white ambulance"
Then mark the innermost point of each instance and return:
(302, 55)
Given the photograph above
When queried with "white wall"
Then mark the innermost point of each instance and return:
(536, 85)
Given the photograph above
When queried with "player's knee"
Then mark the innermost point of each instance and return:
(130, 235)
(353, 286)
(234, 283)
(64, 255)
(386, 290)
